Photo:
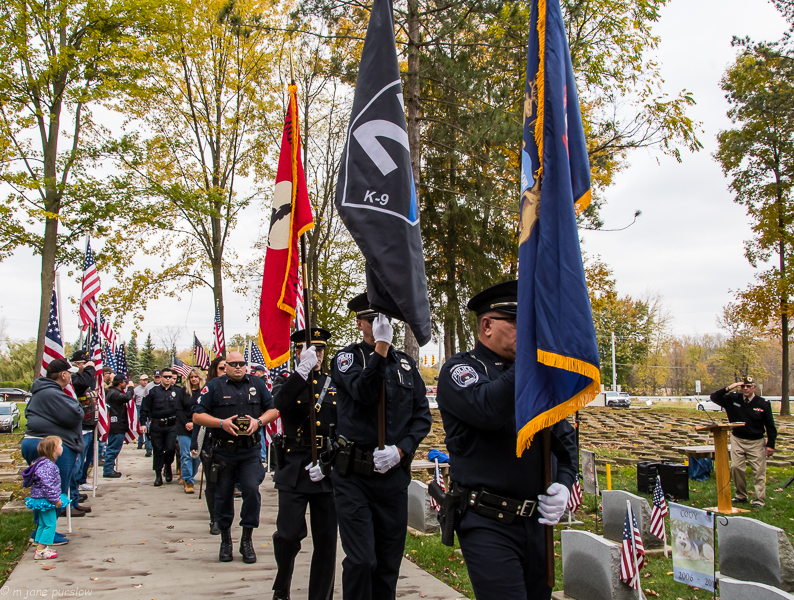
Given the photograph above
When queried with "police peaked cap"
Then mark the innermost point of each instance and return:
(748, 380)
(502, 297)
(360, 306)
(319, 336)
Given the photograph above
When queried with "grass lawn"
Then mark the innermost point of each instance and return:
(14, 528)
(657, 576)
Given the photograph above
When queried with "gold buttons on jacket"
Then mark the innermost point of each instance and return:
(317, 395)
(318, 423)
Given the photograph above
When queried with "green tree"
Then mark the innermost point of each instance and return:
(58, 60)
(133, 362)
(146, 358)
(757, 154)
(18, 364)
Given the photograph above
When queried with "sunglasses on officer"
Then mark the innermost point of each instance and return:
(237, 364)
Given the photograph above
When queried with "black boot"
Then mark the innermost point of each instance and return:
(280, 595)
(169, 477)
(247, 546)
(214, 530)
(226, 553)
(158, 478)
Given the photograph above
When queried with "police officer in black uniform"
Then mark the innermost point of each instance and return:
(298, 481)
(502, 497)
(159, 406)
(371, 485)
(237, 406)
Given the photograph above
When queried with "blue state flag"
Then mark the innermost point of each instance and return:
(557, 364)
(375, 194)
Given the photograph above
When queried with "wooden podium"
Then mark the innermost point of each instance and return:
(722, 466)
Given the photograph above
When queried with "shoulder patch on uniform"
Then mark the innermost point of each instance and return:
(204, 390)
(464, 375)
(344, 361)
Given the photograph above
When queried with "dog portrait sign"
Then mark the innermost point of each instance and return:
(692, 538)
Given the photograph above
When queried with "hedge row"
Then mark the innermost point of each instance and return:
(23, 385)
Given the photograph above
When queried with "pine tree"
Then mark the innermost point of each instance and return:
(146, 358)
(133, 362)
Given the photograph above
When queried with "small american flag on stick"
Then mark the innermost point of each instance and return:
(218, 342)
(439, 479)
(575, 499)
(632, 552)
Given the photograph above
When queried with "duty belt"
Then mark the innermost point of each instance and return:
(305, 442)
(165, 420)
(499, 507)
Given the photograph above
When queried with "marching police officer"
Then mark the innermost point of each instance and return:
(298, 481)
(237, 406)
(371, 485)
(159, 407)
(501, 496)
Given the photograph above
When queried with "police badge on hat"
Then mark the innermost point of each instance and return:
(344, 361)
(464, 375)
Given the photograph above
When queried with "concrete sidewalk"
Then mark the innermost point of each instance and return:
(142, 543)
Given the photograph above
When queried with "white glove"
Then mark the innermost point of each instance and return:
(553, 504)
(315, 472)
(308, 362)
(386, 459)
(382, 329)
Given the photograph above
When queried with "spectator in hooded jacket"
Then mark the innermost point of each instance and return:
(117, 402)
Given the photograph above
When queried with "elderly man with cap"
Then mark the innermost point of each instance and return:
(117, 416)
(501, 497)
(236, 406)
(138, 393)
(159, 408)
(371, 485)
(50, 411)
(747, 442)
(298, 481)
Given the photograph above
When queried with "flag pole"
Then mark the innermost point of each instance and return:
(548, 529)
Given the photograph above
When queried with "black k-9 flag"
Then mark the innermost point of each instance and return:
(375, 195)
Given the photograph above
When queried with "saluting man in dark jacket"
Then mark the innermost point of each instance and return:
(117, 415)
(159, 406)
(501, 531)
(747, 443)
(371, 485)
(236, 406)
(298, 482)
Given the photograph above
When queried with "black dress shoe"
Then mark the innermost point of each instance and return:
(214, 529)
(739, 500)
(81, 508)
(226, 552)
(169, 477)
(82, 498)
(113, 475)
(158, 479)
(148, 453)
(247, 546)
(279, 595)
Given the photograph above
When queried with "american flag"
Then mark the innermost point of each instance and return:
(256, 356)
(440, 480)
(300, 316)
(132, 422)
(218, 343)
(632, 553)
(103, 426)
(275, 426)
(106, 329)
(660, 511)
(88, 311)
(200, 356)
(180, 367)
(121, 360)
(110, 358)
(53, 345)
(575, 499)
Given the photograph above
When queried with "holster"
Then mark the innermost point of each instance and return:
(279, 445)
(343, 462)
(450, 511)
(326, 459)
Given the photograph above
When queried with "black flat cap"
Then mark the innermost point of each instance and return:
(118, 378)
(319, 336)
(360, 306)
(80, 356)
(502, 297)
(59, 365)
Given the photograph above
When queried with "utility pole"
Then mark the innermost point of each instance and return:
(614, 366)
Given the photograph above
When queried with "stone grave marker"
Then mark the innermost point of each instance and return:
(591, 568)
(421, 516)
(733, 589)
(754, 551)
(614, 514)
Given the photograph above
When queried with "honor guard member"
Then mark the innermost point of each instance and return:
(159, 406)
(298, 482)
(236, 405)
(371, 485)
(501, 497)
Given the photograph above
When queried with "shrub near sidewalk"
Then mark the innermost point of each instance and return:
(657, 580)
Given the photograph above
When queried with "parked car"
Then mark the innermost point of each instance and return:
(9, 416)
(14, 395)
(431, 400)
(617, 399)
(709, 405)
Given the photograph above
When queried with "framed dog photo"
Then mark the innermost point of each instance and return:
(692, 539)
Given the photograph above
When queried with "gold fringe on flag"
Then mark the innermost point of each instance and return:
(541, 82)
(563, 410)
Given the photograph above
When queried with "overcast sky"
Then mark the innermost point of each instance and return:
(687, 245)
